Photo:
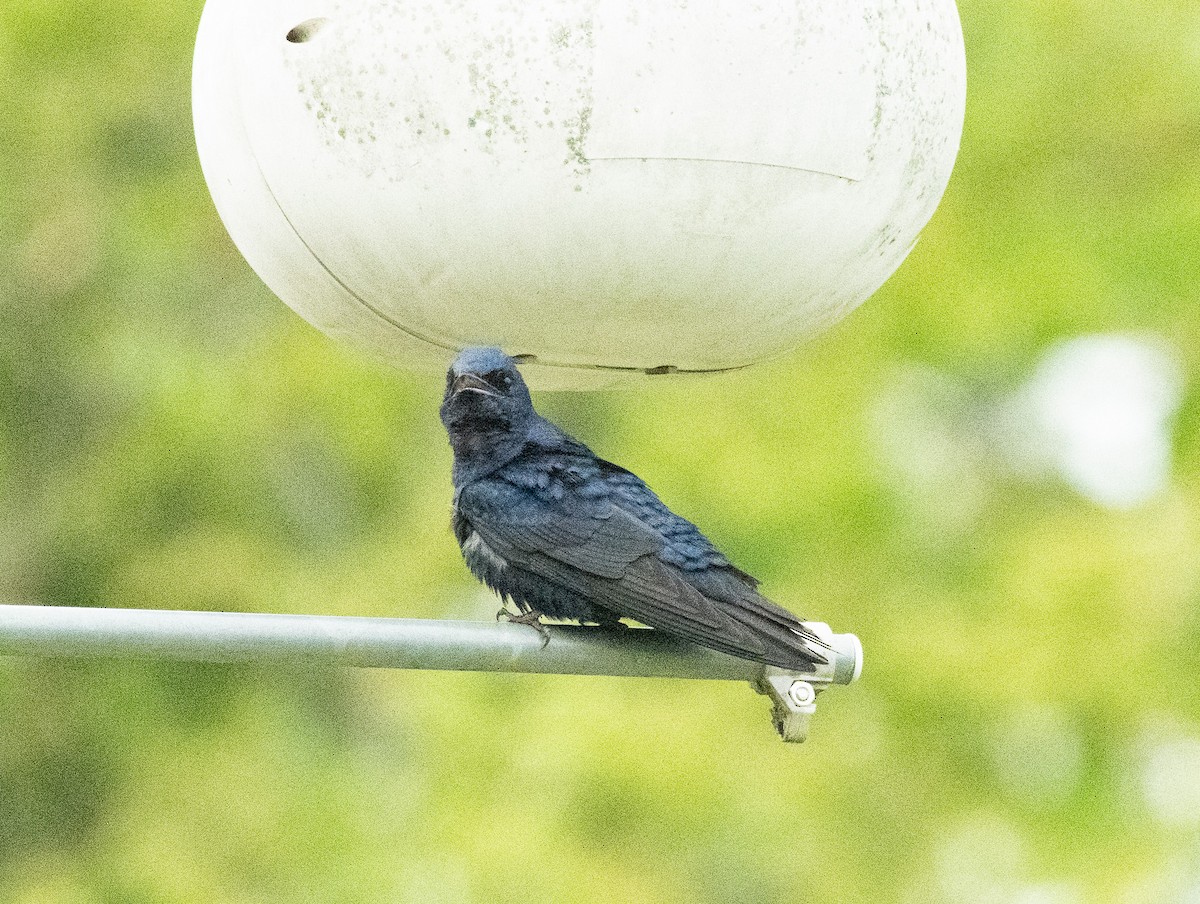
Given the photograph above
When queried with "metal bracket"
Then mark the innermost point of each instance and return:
(794, 694)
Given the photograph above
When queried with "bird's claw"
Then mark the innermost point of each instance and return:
(531, 617)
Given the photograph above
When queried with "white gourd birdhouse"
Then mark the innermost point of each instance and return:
(613, 187)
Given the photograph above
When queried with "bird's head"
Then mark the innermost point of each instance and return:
(486, 399)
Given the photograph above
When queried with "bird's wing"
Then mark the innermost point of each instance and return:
(683, 543)
(578, 539)
(585, 533)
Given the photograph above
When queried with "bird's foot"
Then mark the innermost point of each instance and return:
(530, 617)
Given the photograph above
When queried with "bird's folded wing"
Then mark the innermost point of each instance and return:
(595, 538)
(610, 557)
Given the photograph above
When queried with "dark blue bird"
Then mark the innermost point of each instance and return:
(560, 532)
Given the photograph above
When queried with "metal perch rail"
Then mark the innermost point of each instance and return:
(406, 643)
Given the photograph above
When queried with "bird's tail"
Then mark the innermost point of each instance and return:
(787, 643)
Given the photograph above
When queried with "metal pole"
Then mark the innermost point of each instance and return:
(403, 643)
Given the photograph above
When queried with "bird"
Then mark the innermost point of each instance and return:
(560, 533)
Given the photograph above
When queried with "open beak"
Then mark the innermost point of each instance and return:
(471, 383)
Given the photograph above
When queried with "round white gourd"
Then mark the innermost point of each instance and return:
(609, 186)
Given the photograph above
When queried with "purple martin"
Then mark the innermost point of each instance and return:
(559, 532)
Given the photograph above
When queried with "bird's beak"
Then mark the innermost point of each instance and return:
(471, 383)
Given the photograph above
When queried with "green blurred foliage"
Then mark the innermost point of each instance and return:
(172, 437)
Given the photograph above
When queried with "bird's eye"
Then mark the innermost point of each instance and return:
(498, 378)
